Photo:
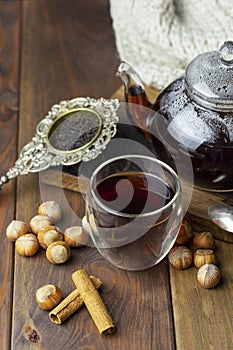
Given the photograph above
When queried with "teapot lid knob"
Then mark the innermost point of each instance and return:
(226, 52)
(209, 78)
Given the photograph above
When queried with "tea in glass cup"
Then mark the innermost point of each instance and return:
(134, 208)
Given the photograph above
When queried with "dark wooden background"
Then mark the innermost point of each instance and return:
(52, 50)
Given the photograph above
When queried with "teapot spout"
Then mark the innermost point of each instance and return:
(135, 94)
(134, 89)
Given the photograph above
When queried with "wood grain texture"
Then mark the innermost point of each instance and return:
(203, 318)
(68, 50)
(9, 63)
(68, 181)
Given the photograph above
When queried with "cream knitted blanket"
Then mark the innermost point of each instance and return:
(160, 37)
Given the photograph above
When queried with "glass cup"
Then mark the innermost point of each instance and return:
(134, 209)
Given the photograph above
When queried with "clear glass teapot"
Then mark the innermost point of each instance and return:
(194, 113)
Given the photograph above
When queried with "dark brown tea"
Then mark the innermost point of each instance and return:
(134, 192)
(212, 159)
(134, 215)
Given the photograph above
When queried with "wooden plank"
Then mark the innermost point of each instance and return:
(198, 212)
(69, 51)
(9, 62)
(203, 318)
(68, 181)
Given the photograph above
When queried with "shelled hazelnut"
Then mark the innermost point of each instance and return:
(208, 276)
(203, 240)
(204, 256)
(180, 257)
(185, 232)
(40, 221)
(27, 245)
(16, 229)
(58, 252)
(49, 234)
(75, 236)
(48, 296)
(51, 209)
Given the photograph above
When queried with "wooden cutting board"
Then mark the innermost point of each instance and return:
(200, 202)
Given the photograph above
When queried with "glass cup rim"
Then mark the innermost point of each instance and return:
(126, 215)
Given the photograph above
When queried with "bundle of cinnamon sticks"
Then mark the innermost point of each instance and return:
(85, 293)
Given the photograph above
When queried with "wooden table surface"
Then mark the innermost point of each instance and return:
(52, 50)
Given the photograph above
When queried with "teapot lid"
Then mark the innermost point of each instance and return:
(209, 78)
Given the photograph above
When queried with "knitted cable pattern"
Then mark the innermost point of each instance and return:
(160, 37)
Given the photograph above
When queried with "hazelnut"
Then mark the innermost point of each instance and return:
(50, 209)
(40, 221)
(75, 236)
(203, 240)
(16, 229)
(185, 232)
(49, 234)
(204, 256)
(208, 275)
(58, 252)
(180, 257)
(48, 296)
(27, 245)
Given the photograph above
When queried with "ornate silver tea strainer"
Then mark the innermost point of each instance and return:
(73, 131)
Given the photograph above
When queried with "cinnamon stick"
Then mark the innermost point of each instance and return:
(93, 302)
(70, 304)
